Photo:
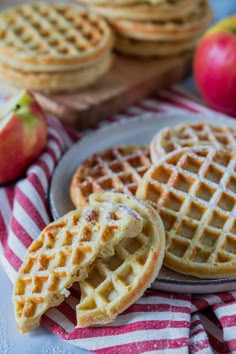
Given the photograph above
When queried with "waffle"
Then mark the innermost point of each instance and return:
(189, 135)
(186, 27)
(121, 2)
(194, 191)
(146, 11)
(114, 283)
(143, 49)
(116, 169)
(48, 37)
(55, 82)
(63, 253)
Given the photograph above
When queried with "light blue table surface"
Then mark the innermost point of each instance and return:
(42, 341)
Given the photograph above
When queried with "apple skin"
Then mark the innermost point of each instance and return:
(23, 135)
(215, 66)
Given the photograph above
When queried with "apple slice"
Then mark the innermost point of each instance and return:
(23, 134)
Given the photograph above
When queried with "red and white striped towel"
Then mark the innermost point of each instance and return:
(158, 322)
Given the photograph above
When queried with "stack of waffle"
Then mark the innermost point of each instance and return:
(155, 27)
(53, 47)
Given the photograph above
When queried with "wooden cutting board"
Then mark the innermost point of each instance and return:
(128, 81)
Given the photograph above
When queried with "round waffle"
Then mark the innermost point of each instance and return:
(143, 48)
(63, 253)
(194, 191)
(188, 26)
(116, 169)
(146, 11)
(49, 37)
(121, 2)
(52, 82)
(189, 135)
(114, 283)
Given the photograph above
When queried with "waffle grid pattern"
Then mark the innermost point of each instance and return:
(170, 139)
(63, 254)
(58, 34)
(109, 280)
(195, 193)
(114, 283)
(119, 169)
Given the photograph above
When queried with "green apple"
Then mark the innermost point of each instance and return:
(23, 134)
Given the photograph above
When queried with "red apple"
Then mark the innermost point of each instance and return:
(23, 134)
(215, 66)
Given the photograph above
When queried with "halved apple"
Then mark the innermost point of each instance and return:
(23, 134)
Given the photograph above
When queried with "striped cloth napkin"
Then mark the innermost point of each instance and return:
(158, 322)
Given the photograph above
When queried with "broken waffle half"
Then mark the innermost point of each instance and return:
(63, 253)
(116, 282)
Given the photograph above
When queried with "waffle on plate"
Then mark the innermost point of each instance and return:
(193, 189)
(116, 282)
(116, 169)
(189, 135)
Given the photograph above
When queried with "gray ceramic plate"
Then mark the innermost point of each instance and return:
(133, 131)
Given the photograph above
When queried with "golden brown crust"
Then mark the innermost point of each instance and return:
(135, 267)
(50, 82)
(144, 48)
(193, 189)
(47, 37)
(189, 135)
(63, 254)
(146, 11)
(122, 2)
(127, 2)
(188, 26)
(119, 169)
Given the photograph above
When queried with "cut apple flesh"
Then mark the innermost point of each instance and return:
(12, 105)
